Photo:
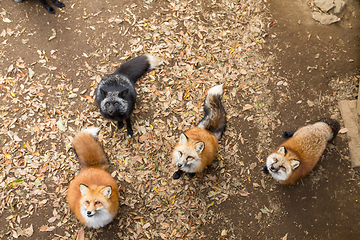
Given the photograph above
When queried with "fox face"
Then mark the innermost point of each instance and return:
(114, 102)
(187, 156)
(95, 205)
(281, 164)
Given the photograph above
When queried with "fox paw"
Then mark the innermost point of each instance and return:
(50, 10)
(177, 174)
(59, 4)
(130, 133)
(120, 124)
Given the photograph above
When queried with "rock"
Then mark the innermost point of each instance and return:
(324, 18)
(324, 5)
(339, 6)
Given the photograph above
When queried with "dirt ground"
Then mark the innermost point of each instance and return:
(282, 70)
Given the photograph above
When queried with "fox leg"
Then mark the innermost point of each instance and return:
(120, 124)
(47, 6)
(177, 174)
(58, 3)
(129, 128)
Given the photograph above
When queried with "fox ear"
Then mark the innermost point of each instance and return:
(199, 147)
(282, 150)
(103, 92)
(123, 93)
(106, 191)
(83, 189)
(183, 139)
(294, 163)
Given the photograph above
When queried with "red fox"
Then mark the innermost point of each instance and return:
(297, 156)
(197, 147)
(93, 194)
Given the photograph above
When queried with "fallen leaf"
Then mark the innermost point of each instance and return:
(60, 125)
(28, 232)
(6, 20)
(247, 107)
(37, 182)
(343, 130)
(243, 193)
(284, 237)
(80, 234)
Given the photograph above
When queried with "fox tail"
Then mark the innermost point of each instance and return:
(333, 124)
(215, 115)
(138, 66)
(88, 150)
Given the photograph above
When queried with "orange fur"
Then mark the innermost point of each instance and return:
(89, 151)
(306, 155)
(102, 205)
(197, 147)
(297, 156)
(196, 135)
(95, 179)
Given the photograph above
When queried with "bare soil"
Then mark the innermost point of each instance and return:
(282, 70)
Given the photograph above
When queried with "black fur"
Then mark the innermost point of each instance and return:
(288, 134)
(218, 124)
(116, 95)
(335, 125)
(134, 68)
(265, 170)
(177, 174)
(47, 6)
(191, 174)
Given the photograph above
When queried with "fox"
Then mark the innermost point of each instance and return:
(198, 146)
(298, 155)
(93, 194)
(116, 95)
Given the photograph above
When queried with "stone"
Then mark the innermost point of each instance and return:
(324, 5)
(325, 19)
(339, 6)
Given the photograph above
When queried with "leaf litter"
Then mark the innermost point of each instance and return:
(200, 44)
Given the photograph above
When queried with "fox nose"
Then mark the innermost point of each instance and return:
(110, 112)
(88, 213)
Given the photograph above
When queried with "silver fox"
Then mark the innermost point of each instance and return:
(116, 95)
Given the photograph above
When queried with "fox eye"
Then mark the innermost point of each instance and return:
(107, 104)
(189, 158)
(276, 160)
(282, 167)
(180, 154)
(97, 202)
(87, 202)
(116, 103)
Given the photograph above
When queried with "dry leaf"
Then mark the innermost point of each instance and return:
(247, 107)
(343, 130)
(80, 234)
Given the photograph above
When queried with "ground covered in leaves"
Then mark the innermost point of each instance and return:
(50, 66)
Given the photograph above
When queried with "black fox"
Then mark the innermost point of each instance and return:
(116, 95)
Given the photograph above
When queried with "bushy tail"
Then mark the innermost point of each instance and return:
(88, 150)
(215, 115)
(138, 66)
(333, 124)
